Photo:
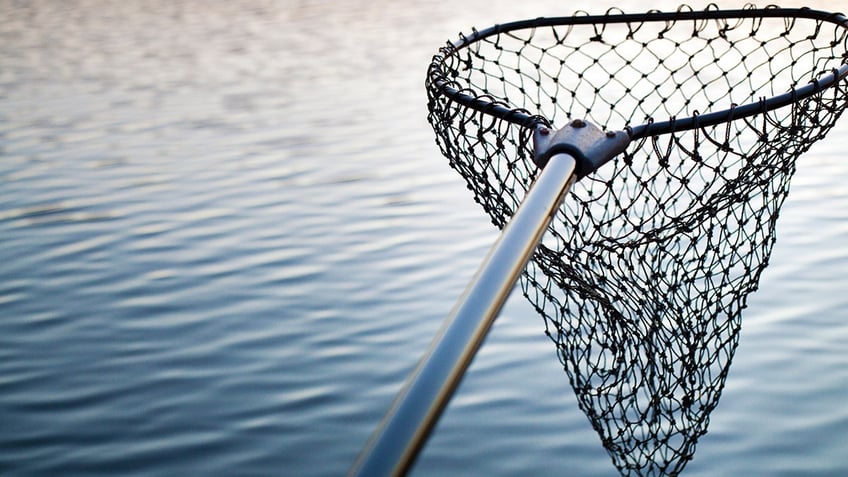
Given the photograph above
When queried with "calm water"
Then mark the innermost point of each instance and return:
(226, 235)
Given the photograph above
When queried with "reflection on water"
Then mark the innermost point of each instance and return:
(226, 235)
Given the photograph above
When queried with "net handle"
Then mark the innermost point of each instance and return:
(526, 119)
(395, 444)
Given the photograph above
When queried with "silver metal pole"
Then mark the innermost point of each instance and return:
(394, 446)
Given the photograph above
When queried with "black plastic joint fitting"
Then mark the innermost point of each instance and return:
(590, 146)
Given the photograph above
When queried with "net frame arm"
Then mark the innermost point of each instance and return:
(574, 151)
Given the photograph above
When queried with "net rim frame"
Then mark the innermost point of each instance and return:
(493, 107)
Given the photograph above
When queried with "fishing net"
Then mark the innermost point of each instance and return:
(647, 266)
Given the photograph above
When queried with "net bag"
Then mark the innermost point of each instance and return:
(647, 266)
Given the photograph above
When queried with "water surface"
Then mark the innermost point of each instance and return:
(226, 235)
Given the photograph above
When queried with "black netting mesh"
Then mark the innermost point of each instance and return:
(645, 270)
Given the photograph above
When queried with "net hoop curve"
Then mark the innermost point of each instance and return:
(493, 107)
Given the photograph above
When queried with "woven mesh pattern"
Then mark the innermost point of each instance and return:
(646, 268)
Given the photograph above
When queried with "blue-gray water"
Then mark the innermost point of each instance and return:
(226, 235)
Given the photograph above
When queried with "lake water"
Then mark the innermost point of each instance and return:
(226, 236)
